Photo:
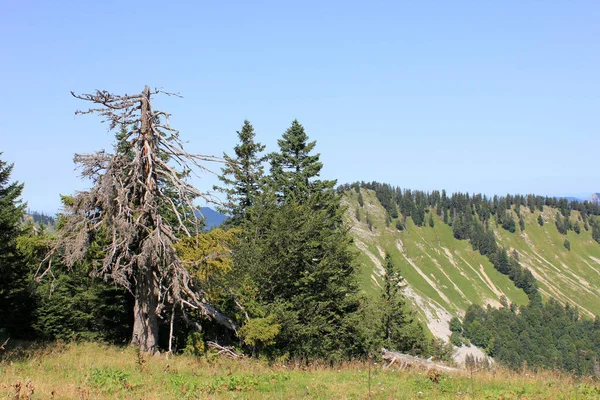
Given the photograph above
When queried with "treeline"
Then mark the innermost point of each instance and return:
(547, 335)
(41, 218)
(282, 270)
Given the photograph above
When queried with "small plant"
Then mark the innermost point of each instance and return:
(434, 375)
(141, 360)
(109, 380)
(567, 244)
(194, 344)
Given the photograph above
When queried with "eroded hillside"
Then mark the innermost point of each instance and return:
(445, 275)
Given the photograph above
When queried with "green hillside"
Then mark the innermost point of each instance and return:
(445, 275)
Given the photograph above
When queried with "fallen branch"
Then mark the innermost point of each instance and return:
(226, 351)
(406, 360)
(4, 344)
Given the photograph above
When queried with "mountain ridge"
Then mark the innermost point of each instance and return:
(445, 275)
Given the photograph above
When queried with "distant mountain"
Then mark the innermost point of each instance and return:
(595, 198)
(212, 218)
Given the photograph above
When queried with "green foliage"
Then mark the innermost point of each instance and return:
(194, 344)
(508, 223)
(540, 220)
(431, 222)
(357, 215)
(260, 331)
(17, 303)
(399, 225)
(294, 268)
(208, 254)
(71, 304)
(303, 270)
(243, 174)
(562, 224)
(361, 202)
(567, 244)
(294, 168)
(109, 380)
(596, 231)
(542, 335)
(456, 325)
(399, 328)
(521, 223)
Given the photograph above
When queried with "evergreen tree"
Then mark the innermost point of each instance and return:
(596, 231)
(243, 174)
(16, 303)
(540, 220)
(294, 168)
(399, 329)
(431, 222)
(294, 263)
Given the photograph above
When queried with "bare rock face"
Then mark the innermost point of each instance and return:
(595, 198)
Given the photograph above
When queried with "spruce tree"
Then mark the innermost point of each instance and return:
(16, 303)
(243, 174)
(400, 331)
(294, 168)
(294, 259)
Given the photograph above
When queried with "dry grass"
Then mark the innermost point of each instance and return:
(96, 371)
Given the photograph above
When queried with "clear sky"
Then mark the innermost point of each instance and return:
(478, 96)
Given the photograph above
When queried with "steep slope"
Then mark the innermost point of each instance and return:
(444, 275)
(567, 275)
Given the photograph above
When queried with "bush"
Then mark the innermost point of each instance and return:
(567, 244)
(399, 225)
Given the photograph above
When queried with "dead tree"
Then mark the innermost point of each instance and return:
(404, 361)
(133, 189)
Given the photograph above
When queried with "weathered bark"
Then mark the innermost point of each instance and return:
(145, 319)
(406, 360)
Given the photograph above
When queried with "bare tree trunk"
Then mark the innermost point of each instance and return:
(145, 319)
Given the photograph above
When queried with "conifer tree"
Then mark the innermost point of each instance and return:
(15, 299)
(296, 257)
(243, 174)
(294, 168)
(399, 328)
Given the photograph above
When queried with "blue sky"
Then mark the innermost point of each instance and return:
(490, 97)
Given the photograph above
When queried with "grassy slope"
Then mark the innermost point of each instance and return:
(94, 371)
(446, 275)
(569, 276)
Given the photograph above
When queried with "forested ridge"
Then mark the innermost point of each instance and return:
(542, 333)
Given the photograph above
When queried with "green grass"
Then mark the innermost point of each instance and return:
(96, 371)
